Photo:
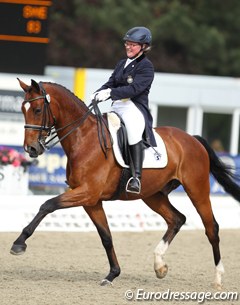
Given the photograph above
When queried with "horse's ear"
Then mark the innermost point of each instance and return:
(23, 85)
(35, 85)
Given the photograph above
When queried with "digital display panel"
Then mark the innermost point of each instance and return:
(23, 35)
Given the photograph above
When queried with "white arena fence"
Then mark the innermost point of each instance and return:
(18, 210)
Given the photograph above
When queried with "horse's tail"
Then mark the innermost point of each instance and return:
(221, 172)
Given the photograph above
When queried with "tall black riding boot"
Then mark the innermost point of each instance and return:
(134, 183)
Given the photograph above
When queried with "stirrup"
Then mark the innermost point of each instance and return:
(135, 191)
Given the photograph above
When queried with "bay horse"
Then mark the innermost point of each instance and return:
(93, 174)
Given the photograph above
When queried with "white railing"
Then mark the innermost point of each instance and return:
(17, 211)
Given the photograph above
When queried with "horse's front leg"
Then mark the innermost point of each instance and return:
(98, 217)
(73, 198)
(19, 246)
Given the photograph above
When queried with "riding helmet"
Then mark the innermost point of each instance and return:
(139, 34)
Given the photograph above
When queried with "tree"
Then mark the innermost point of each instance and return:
(198, 37)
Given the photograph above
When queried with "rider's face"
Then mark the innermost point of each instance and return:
(132, 48)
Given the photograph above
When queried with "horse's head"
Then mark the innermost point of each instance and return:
(38, 117)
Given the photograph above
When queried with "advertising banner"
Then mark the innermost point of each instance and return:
(50, 170)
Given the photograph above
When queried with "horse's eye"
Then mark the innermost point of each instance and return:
(37, 111)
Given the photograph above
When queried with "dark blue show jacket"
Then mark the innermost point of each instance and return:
(134, 82)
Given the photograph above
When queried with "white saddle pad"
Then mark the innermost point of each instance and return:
(153, 158)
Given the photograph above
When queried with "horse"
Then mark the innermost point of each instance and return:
(93, 174)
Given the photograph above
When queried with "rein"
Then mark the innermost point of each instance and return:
(47, 145)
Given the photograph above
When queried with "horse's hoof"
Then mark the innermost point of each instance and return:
(18, 249)
(217, 286)
(162, 272)
(106, 282)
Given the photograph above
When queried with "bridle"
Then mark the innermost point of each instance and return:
(47, 115)
(46, 110)
(51, 131)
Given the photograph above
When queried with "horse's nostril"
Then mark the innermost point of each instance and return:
(32, 152)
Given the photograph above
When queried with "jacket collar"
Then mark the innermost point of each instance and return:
(138, 59)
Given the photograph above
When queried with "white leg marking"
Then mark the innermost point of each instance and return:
(218, 275)
(158, 254)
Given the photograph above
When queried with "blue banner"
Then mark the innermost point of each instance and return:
(50, 169)
(234, 163)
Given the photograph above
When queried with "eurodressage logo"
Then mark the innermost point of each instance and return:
(141, 295)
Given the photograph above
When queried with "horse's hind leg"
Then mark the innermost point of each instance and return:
(98, 217)
(211, 230)
(174, 219)
(203, 206)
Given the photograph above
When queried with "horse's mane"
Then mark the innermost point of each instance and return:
(69, 92)
(98, 116)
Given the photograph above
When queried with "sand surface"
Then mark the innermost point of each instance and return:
(66, 268)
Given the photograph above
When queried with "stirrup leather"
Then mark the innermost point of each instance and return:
(129, 190)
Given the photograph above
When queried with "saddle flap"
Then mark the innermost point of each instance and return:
(153, 157)
(122, 142)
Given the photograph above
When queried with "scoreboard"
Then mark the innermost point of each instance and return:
(23, 35)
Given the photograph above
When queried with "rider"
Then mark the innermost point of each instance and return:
(128, 87)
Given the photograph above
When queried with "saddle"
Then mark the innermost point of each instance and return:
(154, 157)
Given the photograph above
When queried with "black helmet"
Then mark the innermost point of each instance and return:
(139, 34)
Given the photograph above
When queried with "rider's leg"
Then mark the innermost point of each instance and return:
(135, 125)
(134, 183)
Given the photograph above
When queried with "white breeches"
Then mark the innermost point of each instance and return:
(133, 119)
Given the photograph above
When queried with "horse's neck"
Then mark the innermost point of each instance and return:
(69, 106)
(73, 118)
(71, 112)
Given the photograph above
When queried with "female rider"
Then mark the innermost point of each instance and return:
(128, 87)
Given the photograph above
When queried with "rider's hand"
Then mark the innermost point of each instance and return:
(103, 95)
